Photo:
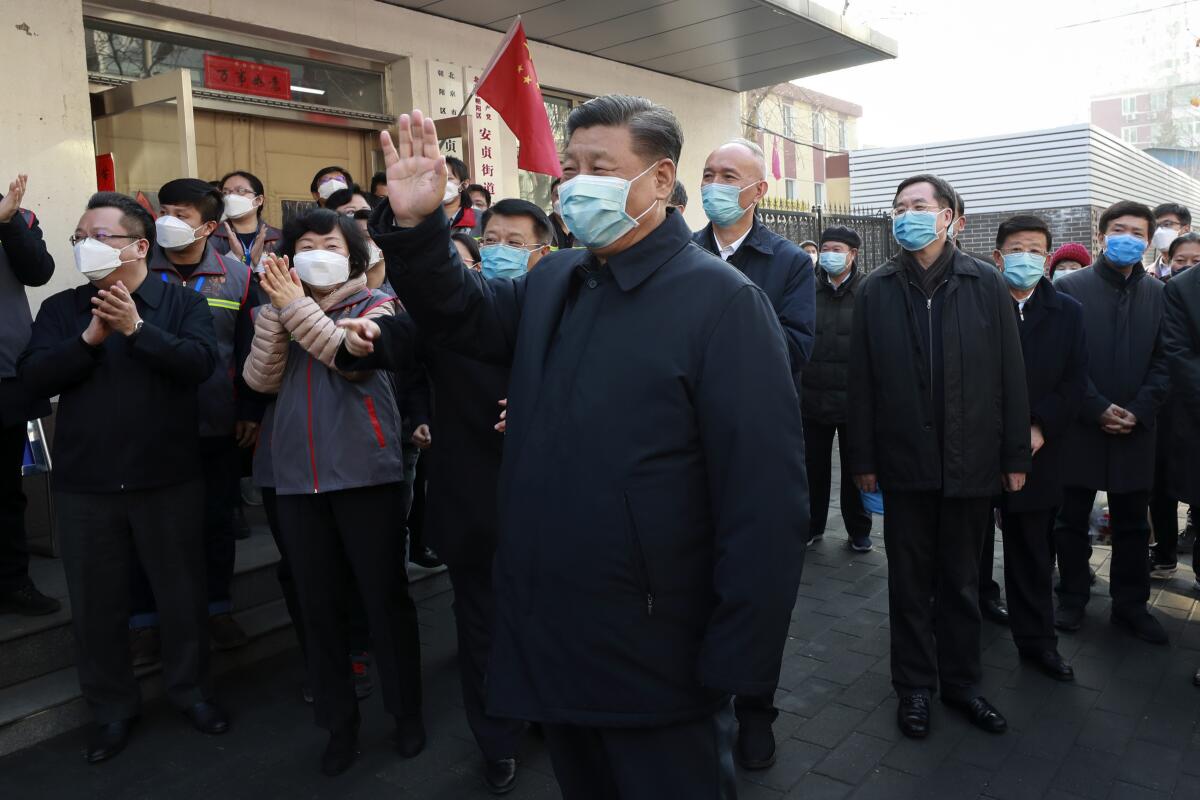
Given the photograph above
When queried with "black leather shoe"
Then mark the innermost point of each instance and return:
(1050, 663)
(755, 744)
(106, 740)
(28, 602)
(1067, 618)
(410, 735)
(995, 610)
(1143, 625)
(980, 712)
(500, 775)
(913, 715)
(207, 717)
(341, 751)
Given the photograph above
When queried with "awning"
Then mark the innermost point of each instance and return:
(732, 44)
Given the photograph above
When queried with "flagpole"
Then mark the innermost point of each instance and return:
(512, 30)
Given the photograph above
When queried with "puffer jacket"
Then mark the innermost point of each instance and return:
(824, 397)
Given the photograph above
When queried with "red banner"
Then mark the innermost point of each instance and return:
(106, 173)
(246, 77)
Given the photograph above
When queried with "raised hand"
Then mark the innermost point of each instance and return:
(11, 203)
(416, 170)
(280, 282)
(360, 336)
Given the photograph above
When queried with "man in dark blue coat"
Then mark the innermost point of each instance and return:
(1055, 352)
(733, 183)
(652, 498)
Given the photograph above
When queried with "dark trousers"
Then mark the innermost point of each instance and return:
(283, 570)
(818, 456)
(14, 552)
(989, 589)
(933, 545)
(416, 507)
(164, 527)
(692, 760)
(219, 461)
(474, 619)
(1028, 563)
(330, 537)
(1129, 571)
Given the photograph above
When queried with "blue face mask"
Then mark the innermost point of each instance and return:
(1124, 249)
(915, 230)
(833, 263)
(721, 203)
(503, 261)
(593, 206)
(1023, 270)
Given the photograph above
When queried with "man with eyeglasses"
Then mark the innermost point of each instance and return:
(1057, 379)
(126, 353)
(1171, 220)
(939, 422)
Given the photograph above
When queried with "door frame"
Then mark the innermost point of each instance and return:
(167, 87)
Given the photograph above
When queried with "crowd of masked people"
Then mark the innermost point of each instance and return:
(619, 432)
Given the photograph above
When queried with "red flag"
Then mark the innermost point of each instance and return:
(775, 168)
(144, 202)
(510, 85)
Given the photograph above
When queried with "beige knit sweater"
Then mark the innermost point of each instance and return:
(306, 321)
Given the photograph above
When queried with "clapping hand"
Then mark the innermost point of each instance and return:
(416, 170)
(11, 203)
(280, 282)
(115, 307)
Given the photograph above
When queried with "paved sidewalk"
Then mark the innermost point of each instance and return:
(1126, 729)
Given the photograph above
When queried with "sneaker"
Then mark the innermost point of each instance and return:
(360, 665)
(814, 539)
(225, 632)
(426, 558)
(1196, 585)
(28, 602)
(251, 494)
(1161, 569)
(861, 544)
(1143, 625)
(144, 646)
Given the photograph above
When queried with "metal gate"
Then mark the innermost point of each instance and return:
(873, 225)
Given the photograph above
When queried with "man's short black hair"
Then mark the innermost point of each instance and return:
(653, 128)
(678, 196)
(136, 219)
(377, 180)
(1180, 211)
(476, 187)
(960, 205)
(200, 195)
(322, 221)
(943, 192)
(1127, 208)
(323, 171)
(458, 168)
(1021, 223)
(252, 179)
(514, 207)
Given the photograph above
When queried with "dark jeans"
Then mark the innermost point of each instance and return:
(933, 545)
(1129, 571)
(989, 589)
(328, 538)
(818, 456)
(1028, 582)
(692, 760)
(219, 461)
(99, 533)
(14, 552)
(474, 619)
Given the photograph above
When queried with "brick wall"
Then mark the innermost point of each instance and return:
(1073, 224)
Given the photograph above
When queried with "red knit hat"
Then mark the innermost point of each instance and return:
(1071, 251)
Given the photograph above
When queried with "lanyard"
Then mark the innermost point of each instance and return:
(197, 285)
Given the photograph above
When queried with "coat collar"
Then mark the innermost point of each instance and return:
(962, 264)
(759, 237)
(1111, 276)
(825, 283)
(631, 267)
(352, 291)
(210, 264)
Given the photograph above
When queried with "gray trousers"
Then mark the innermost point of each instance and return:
(165, 527)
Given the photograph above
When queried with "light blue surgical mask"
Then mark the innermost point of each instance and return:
(1124, 249)
(593, 206)
(503, 261)
(722, 202)
(832, 262)
(915, 230)
(1022, 271)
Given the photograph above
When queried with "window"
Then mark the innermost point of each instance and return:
(789, 120)
(1129, 107)
(818, 194)
(535, 187)
(1129, 134)
(818, 127)
(843, 138)
(1158, 102)
(789, 189)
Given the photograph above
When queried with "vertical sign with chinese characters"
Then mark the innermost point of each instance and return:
(487, 128)
(446, 98)
(106, 173)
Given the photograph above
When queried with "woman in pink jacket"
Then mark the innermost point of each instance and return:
(337, 465)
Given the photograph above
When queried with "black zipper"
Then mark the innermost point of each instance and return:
(639, 558)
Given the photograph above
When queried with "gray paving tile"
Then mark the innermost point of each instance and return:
(1151, 766)
(851, 760)
(1022, 777)
(831, 724)
(1088, 773)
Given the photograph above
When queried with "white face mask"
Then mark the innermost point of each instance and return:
(322, 269)
(172, 233)
(238, 205)
(97, 260)
(1163, 238)
(452, 187)
(374, 254)
(328, 188)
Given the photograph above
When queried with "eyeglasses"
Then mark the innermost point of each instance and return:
(362, 213)
(100, 237)
(1012, 251)
(242, 192)
(1172, 225)
(491, 242)
(898, 212)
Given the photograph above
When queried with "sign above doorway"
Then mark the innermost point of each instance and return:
(247, 77)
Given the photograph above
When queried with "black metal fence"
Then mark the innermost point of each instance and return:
(874, 226)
